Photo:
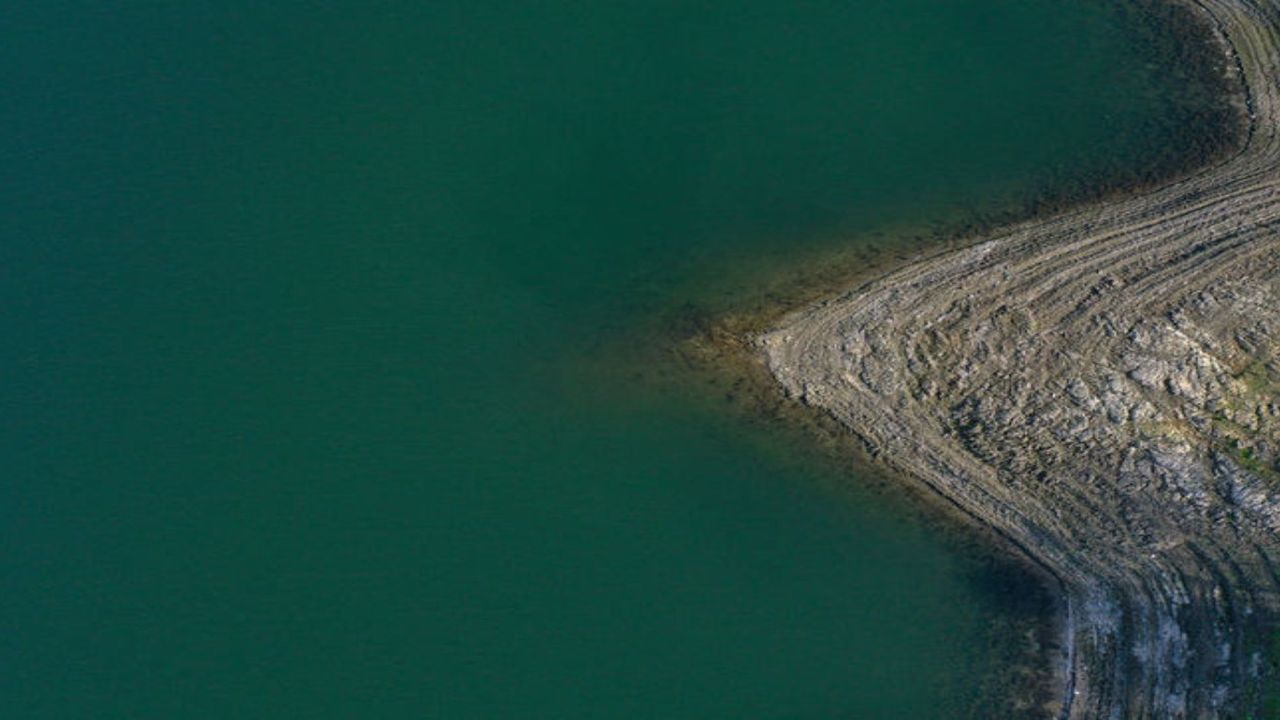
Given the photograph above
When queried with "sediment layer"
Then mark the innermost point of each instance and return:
(1101, 388)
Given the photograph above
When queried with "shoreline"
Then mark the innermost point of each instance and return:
(729, 344)
(824, 272)
(1246, 31)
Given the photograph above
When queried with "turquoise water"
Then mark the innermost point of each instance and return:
(292, 296)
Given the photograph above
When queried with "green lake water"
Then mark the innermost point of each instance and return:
(294, 297)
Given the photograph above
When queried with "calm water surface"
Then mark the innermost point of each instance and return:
(288, 292)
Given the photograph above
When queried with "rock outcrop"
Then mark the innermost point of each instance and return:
(1102, 388)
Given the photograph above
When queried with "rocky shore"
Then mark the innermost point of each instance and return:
(1101, 388)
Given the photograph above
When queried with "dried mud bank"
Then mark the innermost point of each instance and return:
(1101, 388)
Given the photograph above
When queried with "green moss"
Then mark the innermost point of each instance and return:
(1259, 379)
(1248, 460)
(1228, 442)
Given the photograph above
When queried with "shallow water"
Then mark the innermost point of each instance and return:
(293, 295)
